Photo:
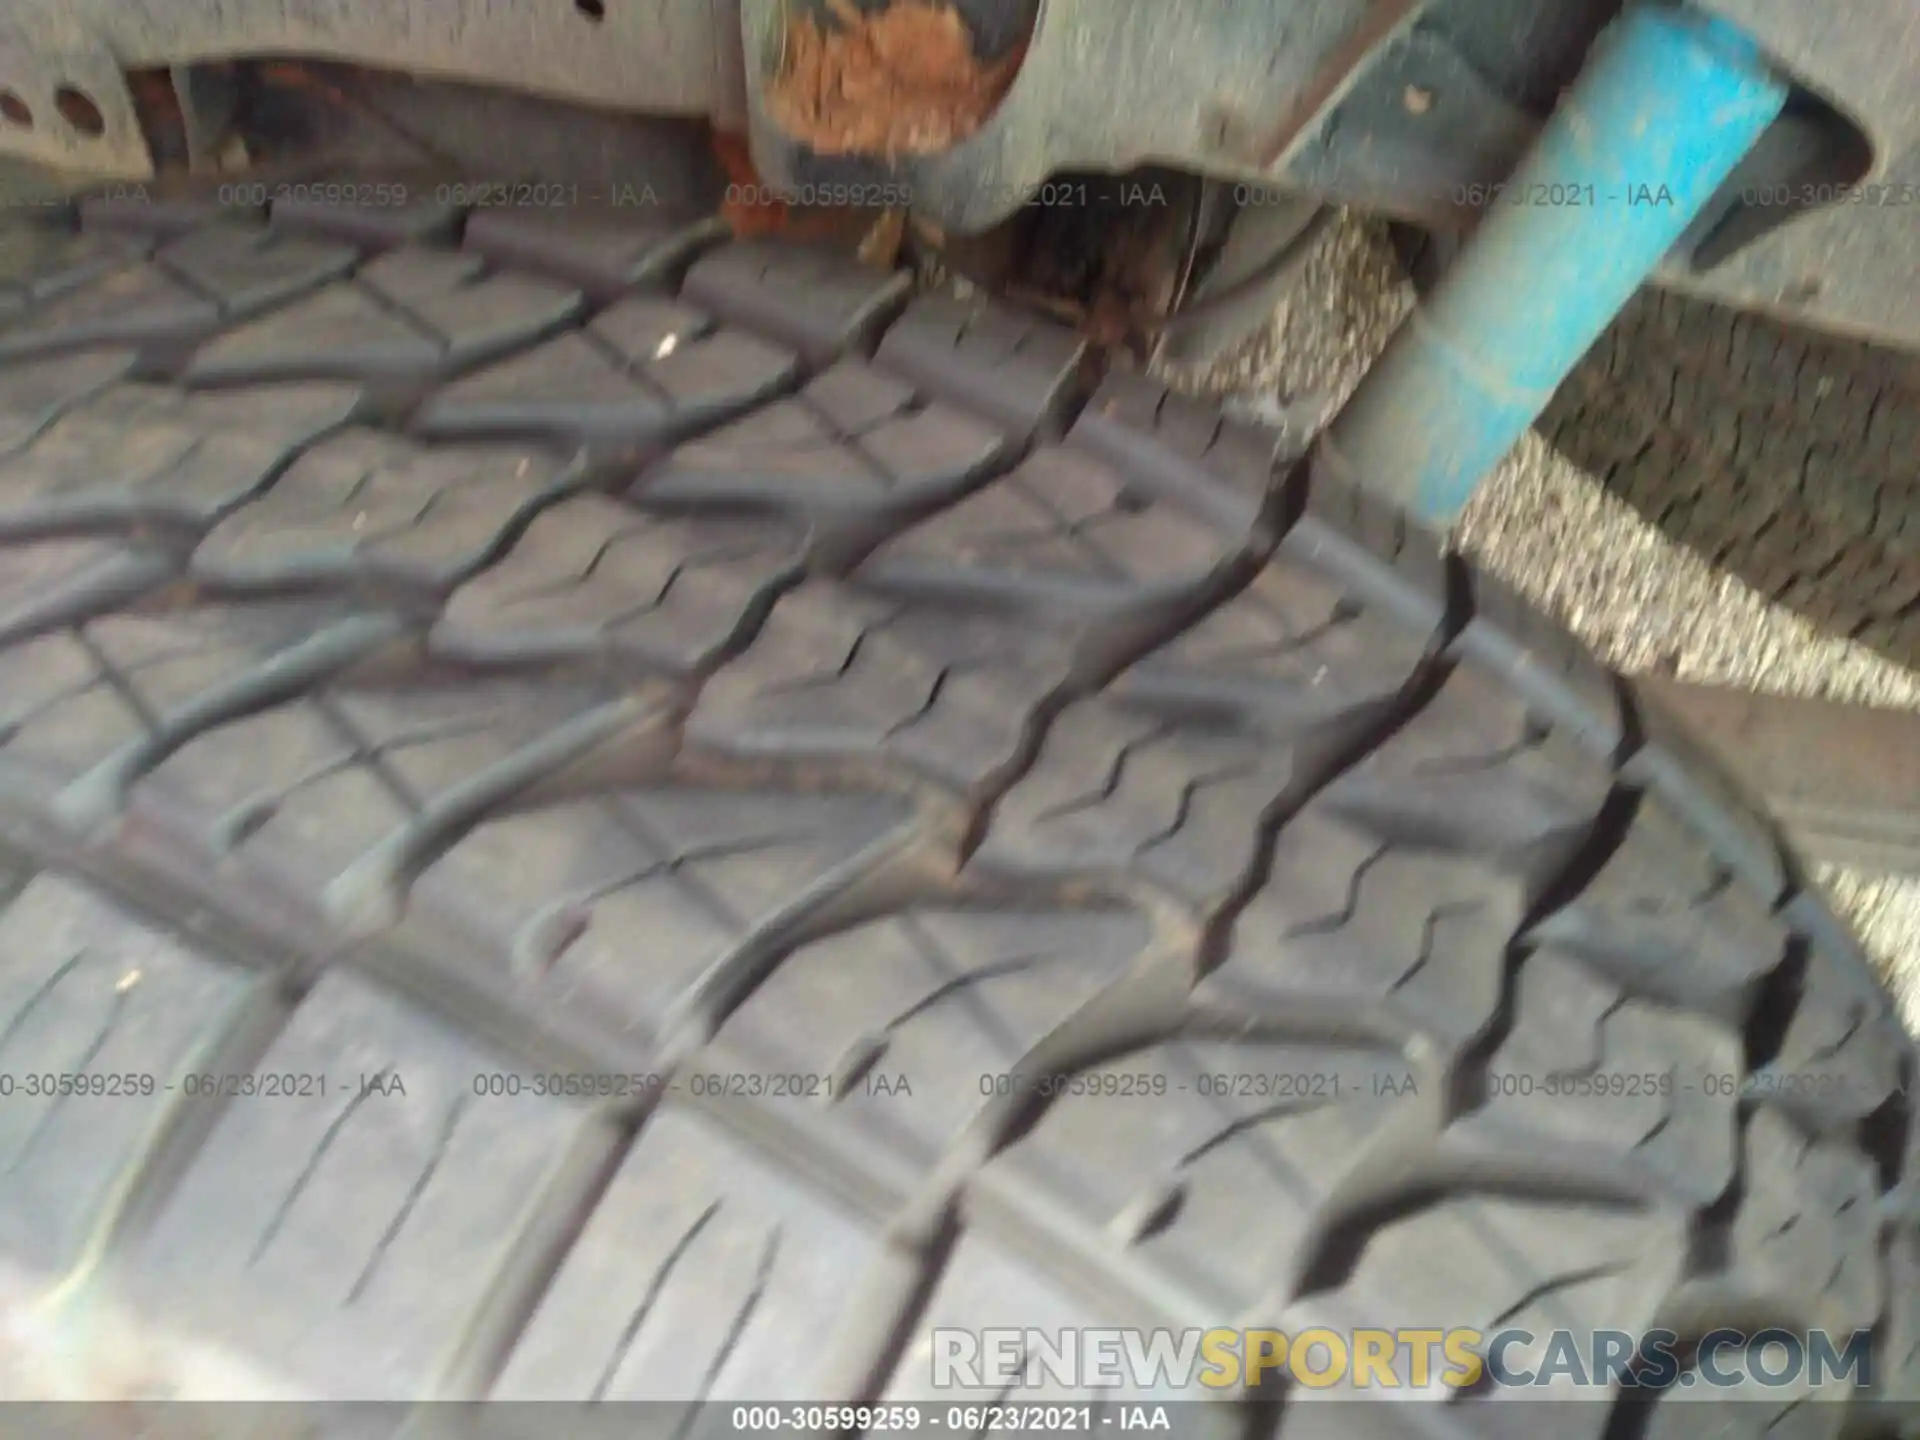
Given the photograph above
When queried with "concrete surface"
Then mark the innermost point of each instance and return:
(1643, 602)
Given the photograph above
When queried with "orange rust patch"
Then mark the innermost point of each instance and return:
(898, 81)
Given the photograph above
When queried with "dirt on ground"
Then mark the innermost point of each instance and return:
(901, 80)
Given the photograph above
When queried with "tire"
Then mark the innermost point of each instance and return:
(1776, 453)
(608, 814)
(1783, 456)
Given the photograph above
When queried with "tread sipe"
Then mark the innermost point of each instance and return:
(571, 786)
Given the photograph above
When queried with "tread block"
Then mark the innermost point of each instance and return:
(821, 301)
(48, 583)
(368, 222)
(190, 288)
(34, 396)
(137, 215)
(287, 413)
(351, 1238)
(626, 907)
(1177, 767)
(854, 445)
(304, 790)
(1706, 795)
(39, 262)
(281, 412)
(705, 1272)
(369, 507)
(72, 700)
(143, 454)
(1357, 926)
(1478, 772)
(1573, 1028)
(592, 578)
(987, 1287)
(1544, 662)
(1844, 1053)
(410, 316)
(1225, 466)
(1119, 791)
(1493, 1263)
(86, 989)
(1897, 1367)
(1001, 363)
(944, 1000)
(1390, 561)
(1208, 1160)
(944, 691)
(1806, 1235)
(605, 254)
(1289, 653)
(1064, 530)
(639, 376)
(1665, 919)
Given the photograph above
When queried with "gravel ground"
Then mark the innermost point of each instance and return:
(1642, 601)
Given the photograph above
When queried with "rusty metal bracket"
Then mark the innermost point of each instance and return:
(1844, 780)
(1222, 86)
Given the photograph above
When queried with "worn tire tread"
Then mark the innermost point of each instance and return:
(729, 663)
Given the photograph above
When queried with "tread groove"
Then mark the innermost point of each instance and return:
(1233, 578)
(101, 792)
(1419, 692)
(964, 712)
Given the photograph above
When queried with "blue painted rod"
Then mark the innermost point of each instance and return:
(1669, 103)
